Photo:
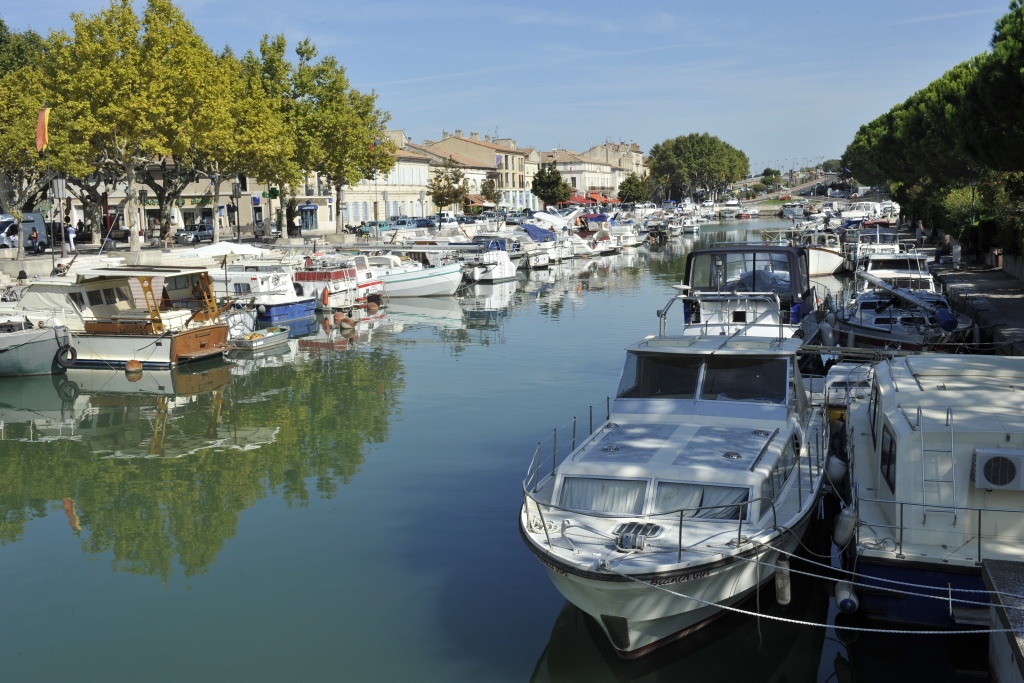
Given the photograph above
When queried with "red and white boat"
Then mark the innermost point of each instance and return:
(340, 282)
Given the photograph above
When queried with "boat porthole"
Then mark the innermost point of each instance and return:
(732, 455)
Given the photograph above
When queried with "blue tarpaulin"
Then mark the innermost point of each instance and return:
(537, 233)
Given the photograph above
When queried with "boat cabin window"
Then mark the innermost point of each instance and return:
(701, 500)
(78, 298)
(659, 376)
(605, 496)
(742, 378)
(109, 296)
(95, 297)
(888, 458)
(242, 288)
(750, 271)
(776, 479)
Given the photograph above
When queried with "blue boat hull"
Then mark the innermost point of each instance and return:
(275, 314)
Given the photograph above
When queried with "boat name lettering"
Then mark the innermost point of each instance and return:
(133, 328)
(681, 579)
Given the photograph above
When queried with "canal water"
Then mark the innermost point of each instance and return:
(346, 509)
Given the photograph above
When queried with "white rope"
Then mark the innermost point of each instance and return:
(800, 622)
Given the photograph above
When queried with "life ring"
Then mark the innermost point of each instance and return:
(68, 391)
(325, 297)
(66, 356)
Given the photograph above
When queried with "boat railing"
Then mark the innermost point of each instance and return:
(901, 527)
(726, 313)
(678, 517)
(562, 443)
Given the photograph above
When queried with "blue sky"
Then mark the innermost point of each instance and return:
(786, 82)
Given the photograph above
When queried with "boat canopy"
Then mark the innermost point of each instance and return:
(538, 233)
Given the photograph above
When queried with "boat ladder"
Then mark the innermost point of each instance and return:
(933, 468)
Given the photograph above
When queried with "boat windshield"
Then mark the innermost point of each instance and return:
(726, 378)
(747, 271)
(743, 378)
(659, 376)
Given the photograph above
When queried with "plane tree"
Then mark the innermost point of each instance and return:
(633, 188)
(447, 186)
(698, 161)
(550, 186)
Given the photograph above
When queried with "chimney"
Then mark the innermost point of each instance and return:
(458, 132)
(474, 136)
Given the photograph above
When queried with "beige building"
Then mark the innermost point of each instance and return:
(400, 192)
(584, 175)
(501, 156)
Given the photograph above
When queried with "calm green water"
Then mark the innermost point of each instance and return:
(344, 510)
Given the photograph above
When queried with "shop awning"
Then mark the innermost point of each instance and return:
(578, 199)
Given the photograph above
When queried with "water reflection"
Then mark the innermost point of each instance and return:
(154, 473)
(735, 647)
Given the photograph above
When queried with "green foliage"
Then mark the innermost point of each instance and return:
(832, 166)
(18, 50)
(687, 164)
(549, 185)
(185, 471)
(447, 186)
(633, 188)
(489, 188)
(991, 116)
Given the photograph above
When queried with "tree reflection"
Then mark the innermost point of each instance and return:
(158, 475)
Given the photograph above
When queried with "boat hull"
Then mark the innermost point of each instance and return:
(152, 350)
(32, 352)
(273, 314)
(643, 615)
(437, 281)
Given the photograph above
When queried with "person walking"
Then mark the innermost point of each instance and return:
(71, 236)
(33, 240)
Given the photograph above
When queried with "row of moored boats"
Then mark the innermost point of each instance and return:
(699, 481)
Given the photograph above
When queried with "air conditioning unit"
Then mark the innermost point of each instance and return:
(998, 469)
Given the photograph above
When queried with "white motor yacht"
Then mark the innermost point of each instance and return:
(704, 472)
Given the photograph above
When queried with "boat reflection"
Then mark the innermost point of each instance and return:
(484, 303)
(442, 312)
(154, 471)
(125, 415)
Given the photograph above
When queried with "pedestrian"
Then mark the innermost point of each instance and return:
(71, 236)
(33, 240)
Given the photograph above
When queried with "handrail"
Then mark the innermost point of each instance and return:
(902, 527)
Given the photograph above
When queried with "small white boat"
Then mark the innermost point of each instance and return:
(259, 339)
(409, 277)
(488, 267)
(29, 349)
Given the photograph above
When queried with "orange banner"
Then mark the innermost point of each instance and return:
(42, 129)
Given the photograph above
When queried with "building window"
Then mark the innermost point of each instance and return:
(572, 182)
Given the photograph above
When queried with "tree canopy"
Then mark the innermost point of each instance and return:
(688, 164)
(448, 185)
(143, 102)
(961, 136)
(549, 185)
(633, 188)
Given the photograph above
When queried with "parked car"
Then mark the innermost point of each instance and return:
(373, 228)
(262, 230)
(425, 223)
(514, 218)
(404, 223)
(194, 234)
(467, 219)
